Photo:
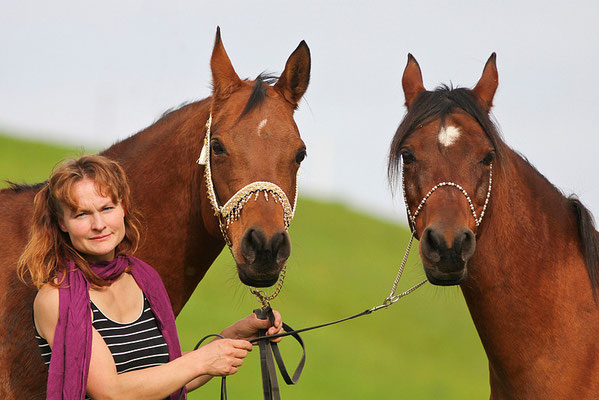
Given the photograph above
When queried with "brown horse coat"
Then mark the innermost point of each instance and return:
(529, 272)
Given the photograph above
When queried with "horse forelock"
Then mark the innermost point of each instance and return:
(430, 106)
(258, 95)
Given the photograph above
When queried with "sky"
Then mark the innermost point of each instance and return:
(93, 73)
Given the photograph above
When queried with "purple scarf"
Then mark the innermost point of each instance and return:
(71, 353)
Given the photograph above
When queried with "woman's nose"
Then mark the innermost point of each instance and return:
(98, 223)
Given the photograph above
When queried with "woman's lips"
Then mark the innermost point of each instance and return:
(98, 238)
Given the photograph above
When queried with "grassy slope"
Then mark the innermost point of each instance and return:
(24, 161)
(424, 347)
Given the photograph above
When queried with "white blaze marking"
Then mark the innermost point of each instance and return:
(261, 125)
(448, 135)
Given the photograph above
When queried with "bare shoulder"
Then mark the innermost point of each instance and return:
(45, 311)
(46, 299)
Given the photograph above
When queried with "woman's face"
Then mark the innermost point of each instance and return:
(97, 226)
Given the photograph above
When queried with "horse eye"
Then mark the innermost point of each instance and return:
(407, 157)
(217, 147)
(489, 158)
(300, 156)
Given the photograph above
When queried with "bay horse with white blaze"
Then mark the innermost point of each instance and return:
(253, 138)
(527, 262)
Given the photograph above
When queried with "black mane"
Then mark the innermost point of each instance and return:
(589, 240)
(429, 106)
(22, 187)
(258, 92)
(256, 98)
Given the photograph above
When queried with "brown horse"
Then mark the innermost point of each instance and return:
(253, 138)
(528, 267)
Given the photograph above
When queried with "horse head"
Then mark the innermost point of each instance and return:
(445, 147)
(253, 153)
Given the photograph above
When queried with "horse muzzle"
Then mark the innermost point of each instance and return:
(446, 264)
(263, 257)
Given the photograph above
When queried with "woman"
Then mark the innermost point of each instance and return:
(102, 317)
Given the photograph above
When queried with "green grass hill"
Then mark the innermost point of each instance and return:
(342, 262)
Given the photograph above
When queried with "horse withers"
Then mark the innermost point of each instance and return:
(526, 257)
(253, 139)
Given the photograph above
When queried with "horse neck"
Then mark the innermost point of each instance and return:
(527, 280)
(167, 188)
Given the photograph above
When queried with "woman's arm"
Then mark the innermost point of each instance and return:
(222, 357)
(244, 329)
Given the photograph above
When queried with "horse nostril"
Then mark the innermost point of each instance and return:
(465, 244)
(281, 247)
(431, 244)
(252, 243)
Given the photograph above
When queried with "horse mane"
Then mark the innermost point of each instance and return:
(587, 233)
(23, 187)
(429, 106)
(589, 240)
(258, 92)
(171, 110)
(256, 98)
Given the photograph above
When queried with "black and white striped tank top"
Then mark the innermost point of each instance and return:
(135, 345)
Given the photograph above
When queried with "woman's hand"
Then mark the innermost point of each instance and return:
(247, 328)
(222, 357)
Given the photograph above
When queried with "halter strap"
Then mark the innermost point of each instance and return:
(231, 210)
(477, 219)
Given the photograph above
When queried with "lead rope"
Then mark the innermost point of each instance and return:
(232, 210)
(269, 379)
(270, 353)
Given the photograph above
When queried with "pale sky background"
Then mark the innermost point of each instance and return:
(92, 73)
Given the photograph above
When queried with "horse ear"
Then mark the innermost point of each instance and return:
(295, 78)
(487, 84)
(224, 77)
(412, 80)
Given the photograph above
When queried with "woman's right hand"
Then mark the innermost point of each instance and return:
(222, 356)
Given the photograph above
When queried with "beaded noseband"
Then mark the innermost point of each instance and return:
(231, 210)
(477, 220)
(393, 297)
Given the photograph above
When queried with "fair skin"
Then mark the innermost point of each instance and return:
(96, 227)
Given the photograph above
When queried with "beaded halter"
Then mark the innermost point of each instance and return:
(477, 220)
(393, 296)
(231, 210)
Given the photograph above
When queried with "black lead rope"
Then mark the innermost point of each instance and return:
(268, 349)
(270, 353)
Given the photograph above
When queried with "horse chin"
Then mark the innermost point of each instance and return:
(439, 278)
(258, 276)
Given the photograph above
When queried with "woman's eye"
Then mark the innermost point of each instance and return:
(407, 157)
(217, 147)
(300, 156)
(489, 158)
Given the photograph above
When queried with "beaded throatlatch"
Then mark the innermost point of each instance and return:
(231, 210)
